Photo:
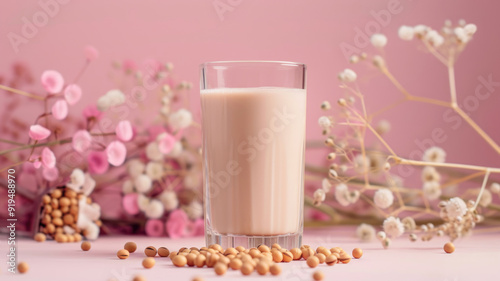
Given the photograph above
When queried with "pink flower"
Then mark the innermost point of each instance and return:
(166, 143)
(92, 111)
(48, 158)
(60, 109)
(129, 66)
(198, 227)
(154, 228)
(318, 215)
(177, 223)
(50, 174)
(36, 161)
(72, 93)
(81, 141)
(124, 130)
(38, 132)
(116, 152)
(52, 81)
(98, 162)
(130, 204)
(91, 53)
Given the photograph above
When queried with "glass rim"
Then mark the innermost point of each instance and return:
(289, 63)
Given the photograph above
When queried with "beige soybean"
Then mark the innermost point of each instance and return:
(85, 246)
(287, 256)
(321, 257)
(297, 253)
(275, 269)
(200, 261)
(262, 268)
(235, 264)
(163, 252)
(123, 254)
(150, 251)
(331, 260)
(139, 278)
(130, 247)
(22, 267)
(190, 258)
(40, 237)
(179, 260)
(247, 269)
(312, 261)
(277, 256)
(220, 268)
(148, 262)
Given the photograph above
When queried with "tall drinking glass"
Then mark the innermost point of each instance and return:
(254, 124)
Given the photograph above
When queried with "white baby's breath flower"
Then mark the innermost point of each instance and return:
(354, 59)
(434, 38)
(154, 210)
(326, 185)
(378, 61)
(180, 119)
(111, 98)
(135, 167)
(361, 163)
(381, 235)
(127, 187)
(143, 202)
(324, 122)
(455, 208)
(192, 180)
(383, 127)
(420, 29)
(378, 40)
(77, 178)
(319, 195)
(432, 190)
(393, 227)
(194, 210)
(429, 174)
(406, 32)
(153, 152)
(176, 150)
(347, 75)
(91, 232)
(495, 188)
(470, 28)
(434, 154)
(461, 35)
(409, 224)
(143, 183)
(365, 232)
(88, 185)
(155, 170)
(169, 200)
(383, 198)
(342, 194)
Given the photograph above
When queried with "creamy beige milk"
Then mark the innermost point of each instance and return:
(254, 159)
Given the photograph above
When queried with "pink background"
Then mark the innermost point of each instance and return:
(189, 32)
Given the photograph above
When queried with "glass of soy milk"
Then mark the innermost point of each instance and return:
(254, 125)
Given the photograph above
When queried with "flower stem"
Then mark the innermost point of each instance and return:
(19, 92)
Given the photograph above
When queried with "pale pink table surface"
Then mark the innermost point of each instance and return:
(476, 258)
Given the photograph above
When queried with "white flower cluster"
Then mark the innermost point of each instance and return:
(365, 232)
(347, 75)
(344, 196)
(431, 187)
(462, 33)
(383, 198)
(110, 99)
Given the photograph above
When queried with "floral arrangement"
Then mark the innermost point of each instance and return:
(362, 174)
(155, 164)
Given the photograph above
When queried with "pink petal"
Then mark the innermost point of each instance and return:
(38, 132)
(48, 158)
(37, 164)
(130, 204)
(91, 53)
(60, 109)
(116, 152)
(176, 223)
(124, 130)
(72, 93)
(50, 174)
(92, 111)
(129, 66)
(166, 143)
(81, 141)
(52, 81)
(154, 228)
(97, 162)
